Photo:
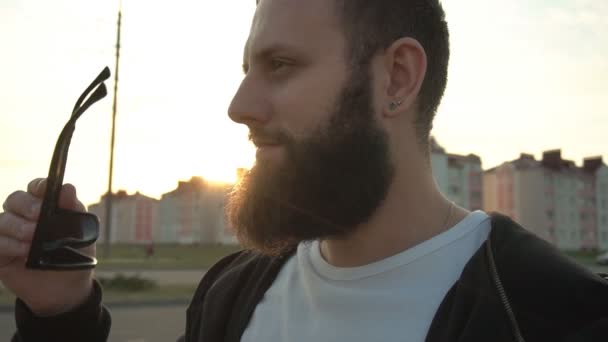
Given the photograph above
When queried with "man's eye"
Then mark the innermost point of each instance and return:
(277, 64)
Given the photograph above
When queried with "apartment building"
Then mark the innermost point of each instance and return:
(133, 217)
(458, 177)
(193, 213)
(596, 195)
(553, 198)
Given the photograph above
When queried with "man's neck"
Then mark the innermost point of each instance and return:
(410, 214)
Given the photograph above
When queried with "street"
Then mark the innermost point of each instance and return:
(129, 324)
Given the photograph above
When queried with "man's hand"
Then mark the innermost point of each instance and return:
(46, 293)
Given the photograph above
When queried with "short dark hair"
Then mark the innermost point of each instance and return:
(372, 26)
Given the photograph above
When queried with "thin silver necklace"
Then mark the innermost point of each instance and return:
(447, 218)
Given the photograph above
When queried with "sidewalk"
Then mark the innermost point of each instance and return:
(162, 277)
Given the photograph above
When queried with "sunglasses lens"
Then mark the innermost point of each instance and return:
(65, 232)
(66, 258)
(71, 229)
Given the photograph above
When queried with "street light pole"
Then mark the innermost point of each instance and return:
(109, 195)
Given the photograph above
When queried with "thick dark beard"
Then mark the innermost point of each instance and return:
(327, 184)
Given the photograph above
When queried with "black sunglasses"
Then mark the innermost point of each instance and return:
(60, 232)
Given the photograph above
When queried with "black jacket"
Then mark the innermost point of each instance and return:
(516, 287)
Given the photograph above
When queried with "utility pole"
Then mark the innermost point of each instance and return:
(109, 195)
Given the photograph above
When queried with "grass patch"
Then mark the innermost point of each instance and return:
(123, 283)
(583, 257)
(159, 293)
(165, 256)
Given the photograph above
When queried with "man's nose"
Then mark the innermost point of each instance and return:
(249, 106)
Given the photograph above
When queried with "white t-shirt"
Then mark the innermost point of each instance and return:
(394, 299)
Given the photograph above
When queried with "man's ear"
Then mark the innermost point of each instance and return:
(406, 64)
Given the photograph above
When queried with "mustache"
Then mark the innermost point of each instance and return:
(257, 134)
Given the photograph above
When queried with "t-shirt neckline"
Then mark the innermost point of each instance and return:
(331, 272)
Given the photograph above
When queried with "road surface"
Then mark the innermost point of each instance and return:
(129, 324)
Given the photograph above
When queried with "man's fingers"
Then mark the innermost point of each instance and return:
(23, 204)
(10, 248)
(37, 187)
(67, 197)
(16, 227)
(27, 204)
(69, 200)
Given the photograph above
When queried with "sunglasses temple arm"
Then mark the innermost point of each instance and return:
(97, 95)
(104, 75)
(60, 156)
(57, 168)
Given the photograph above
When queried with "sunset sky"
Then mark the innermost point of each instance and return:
(525, 76)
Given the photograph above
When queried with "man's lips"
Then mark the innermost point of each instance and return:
(267, 149)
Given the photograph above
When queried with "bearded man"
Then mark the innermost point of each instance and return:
(346, 235)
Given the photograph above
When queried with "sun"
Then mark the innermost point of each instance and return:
(220, 174)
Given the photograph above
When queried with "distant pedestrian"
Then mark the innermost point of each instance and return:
(149, 250)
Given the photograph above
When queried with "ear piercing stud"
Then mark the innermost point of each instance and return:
(394, 105)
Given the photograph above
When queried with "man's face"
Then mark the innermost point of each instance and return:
(294, 65)
(322, 165)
